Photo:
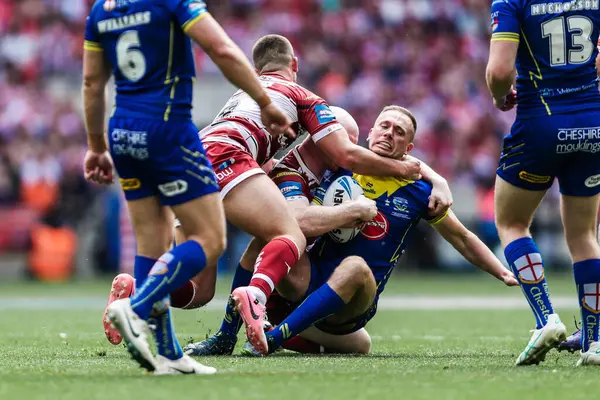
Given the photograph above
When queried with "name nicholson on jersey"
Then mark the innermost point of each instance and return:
(126, 21)
(558, 7)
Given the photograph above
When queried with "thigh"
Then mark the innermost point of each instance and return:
(257, 206)
(514, 206)
(528, 160)
(579, 216)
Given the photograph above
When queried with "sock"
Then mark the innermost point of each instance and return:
(170, 272)
(525, 262)
(273, 264)
(587, 279)
(232, 321)
(183, 297)
(301, 345)
(320, 304)
(164, 334)
(141, 268)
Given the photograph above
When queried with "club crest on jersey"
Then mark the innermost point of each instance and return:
(530, 267)
(591, 297)
(160, 266)
(377, 228)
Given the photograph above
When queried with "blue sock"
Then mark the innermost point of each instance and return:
(164, 334)
(170, 272)
(141, 268)
(587, 279)
(525, 262)
(320, 304)
(232, 321)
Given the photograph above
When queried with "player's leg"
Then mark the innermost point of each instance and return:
(524, 175)
(358, 342)
(347, 294)
(184, 180)
(579, 220)
(257, 206)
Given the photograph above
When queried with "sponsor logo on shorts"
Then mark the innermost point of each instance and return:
(227, 172)
(533, 178)
(130, 184)
(592, 181)
(227, 163)
(377, 228)
(573, 140)
(174, 188)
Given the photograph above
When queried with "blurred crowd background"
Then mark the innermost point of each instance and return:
(427, 55)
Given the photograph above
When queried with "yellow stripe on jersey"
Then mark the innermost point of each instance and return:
(188, 25)
(170, 61)
(168, 110)
(374, 186)
(92, 46)
(538, 76)
(506, 36)
(438, 219)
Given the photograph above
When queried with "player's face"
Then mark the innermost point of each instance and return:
(391, 135)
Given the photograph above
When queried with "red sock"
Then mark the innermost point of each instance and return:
(184, 296)
(273, 264)
(301, 345)
(278, 308)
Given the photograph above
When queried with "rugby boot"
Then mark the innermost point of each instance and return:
(590, 357)
(253, 315)
(135, 332)
(542, 341)
(182, 366)
(122, 287)
(219, 344)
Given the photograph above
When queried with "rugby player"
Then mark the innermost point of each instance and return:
(556, 134)
(339, 284)
(157, 153)
(297, 175)
(237, 146)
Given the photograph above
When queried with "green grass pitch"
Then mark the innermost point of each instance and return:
(435, 353)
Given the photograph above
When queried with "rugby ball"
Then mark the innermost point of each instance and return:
(342, 189)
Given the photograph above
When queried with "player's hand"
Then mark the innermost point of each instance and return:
(276, 122)
(98, 167)
(411, 168)
(440, 199)
(367, 208)
(509, 279)
(507, 102)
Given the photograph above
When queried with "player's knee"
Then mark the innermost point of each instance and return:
(213, 243)
(357, 270)
(364, 344)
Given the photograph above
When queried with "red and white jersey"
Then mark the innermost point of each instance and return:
(239, 122)
(293, 177)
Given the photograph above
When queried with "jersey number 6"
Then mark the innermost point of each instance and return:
(130, 59)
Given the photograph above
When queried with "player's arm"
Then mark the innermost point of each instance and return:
(362, 161)
(227, 56)
(500, 72)
(96, 73)
(472, 248)
(440, 199)
(317, 220)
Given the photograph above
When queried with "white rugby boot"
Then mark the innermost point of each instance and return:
(182, 366)
(590, 357)
(542, 341)
(134, 330)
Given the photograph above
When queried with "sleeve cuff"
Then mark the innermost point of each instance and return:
(506, 36)
(188, 25)
(435, 221)
(92, 46)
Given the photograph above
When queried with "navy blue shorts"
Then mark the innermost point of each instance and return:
(319, 275)
(164, 159)
(562, 146)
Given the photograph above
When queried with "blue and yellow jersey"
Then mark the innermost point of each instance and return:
(557, 53)
(151, 57)
(400, 204)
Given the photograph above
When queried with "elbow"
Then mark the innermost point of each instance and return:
(499, 74)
